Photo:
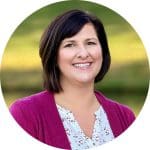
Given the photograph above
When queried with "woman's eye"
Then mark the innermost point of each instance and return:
(91, 43)
(69, 45)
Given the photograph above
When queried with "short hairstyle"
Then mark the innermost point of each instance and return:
(64, 26)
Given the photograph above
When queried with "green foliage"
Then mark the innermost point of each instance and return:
(127, 80)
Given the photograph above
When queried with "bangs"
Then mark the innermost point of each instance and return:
(73, 26)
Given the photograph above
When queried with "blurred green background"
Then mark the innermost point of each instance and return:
(127, 80)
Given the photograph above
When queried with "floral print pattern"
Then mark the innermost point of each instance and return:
(102, 132)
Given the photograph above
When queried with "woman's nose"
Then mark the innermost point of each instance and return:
(83, 52)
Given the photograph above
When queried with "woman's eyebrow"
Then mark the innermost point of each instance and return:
(66, 41)
(92, 38)
(73, 41)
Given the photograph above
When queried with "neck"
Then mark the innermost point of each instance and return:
(75, 96)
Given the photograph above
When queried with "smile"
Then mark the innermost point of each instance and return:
(82, 65)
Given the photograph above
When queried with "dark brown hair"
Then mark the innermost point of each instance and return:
(64, 26)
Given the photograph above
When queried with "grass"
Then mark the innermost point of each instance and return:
(127, 80)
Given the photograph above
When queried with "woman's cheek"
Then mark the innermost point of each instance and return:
(97, 54)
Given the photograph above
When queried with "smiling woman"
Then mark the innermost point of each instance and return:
(57, 36)
(80, 57)
(75, 55)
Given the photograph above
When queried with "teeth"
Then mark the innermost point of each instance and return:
(82, 65)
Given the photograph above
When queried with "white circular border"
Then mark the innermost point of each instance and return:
(12, 13)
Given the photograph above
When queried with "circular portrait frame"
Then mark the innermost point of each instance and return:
(23, 134)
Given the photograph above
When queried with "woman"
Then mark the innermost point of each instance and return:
(70, 114)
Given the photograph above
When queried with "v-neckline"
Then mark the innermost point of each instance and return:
(69, 112)
(104, 102)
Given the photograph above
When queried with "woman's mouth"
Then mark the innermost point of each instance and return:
(82, 65)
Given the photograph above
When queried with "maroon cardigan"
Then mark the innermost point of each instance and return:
(38, 115)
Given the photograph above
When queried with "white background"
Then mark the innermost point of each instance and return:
(13, 12)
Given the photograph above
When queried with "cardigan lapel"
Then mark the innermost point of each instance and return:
(59, 136)
(113, 114)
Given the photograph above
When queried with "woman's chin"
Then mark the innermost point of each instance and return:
(85, 80)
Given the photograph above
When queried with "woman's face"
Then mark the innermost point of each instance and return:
(80, 56)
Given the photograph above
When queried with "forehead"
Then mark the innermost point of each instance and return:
(87, 32)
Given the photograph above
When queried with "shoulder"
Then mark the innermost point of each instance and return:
(27, 111)
(122, 111)
(32, 100)
(30, 105)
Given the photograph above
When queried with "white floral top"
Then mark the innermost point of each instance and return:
(102, 132)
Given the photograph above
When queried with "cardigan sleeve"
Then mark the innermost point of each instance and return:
(127, 115)
(37, 114)
(121, 117)
(24, 116)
